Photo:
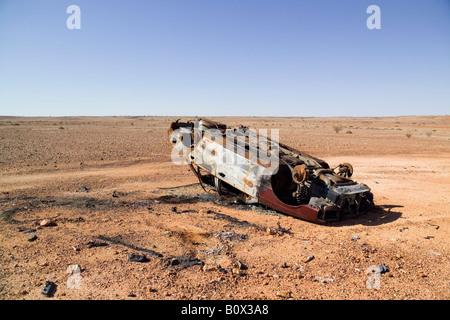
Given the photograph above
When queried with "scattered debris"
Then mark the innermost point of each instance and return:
(433, 252)
(84, 188)
(322, 280)
(95, 244)
(235, 221)
(72, 220)
(237, 271)
(209, 267)
(221, 269)
(133, 257)
(26, 230)
(49, 289)
(429, 237)
(231, 235)
(282, 230)
(240, 265)
(403, 229)
(183, 261)
(217, 250)
(434, 225)
(382, 269)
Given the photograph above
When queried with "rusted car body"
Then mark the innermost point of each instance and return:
(283, 178)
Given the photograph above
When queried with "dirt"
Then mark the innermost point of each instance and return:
(108, 189)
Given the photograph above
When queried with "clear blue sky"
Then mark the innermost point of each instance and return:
(225, 57)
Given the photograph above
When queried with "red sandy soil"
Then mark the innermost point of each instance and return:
(133, 187)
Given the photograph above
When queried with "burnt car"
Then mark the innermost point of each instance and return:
(258, 169)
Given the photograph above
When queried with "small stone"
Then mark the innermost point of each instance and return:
(150, 289)
(283, 294)
(422, 274)
(236, 271)
(209, 267)
(309, 258)
(47, 223)
(240, 265)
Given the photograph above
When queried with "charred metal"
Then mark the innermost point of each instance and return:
(243, 163)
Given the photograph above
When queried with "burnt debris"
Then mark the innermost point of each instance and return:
(284, 179)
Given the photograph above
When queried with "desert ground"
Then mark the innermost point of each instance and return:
(109, 189)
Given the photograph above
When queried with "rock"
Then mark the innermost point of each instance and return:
(47, 223)
(271, 231)
(422, 274)
(236, 271)
(209, 267)
(309, 258)
(283, 294)
(382, 269)
(85, 189)
(323, 280)
(94, 244)
(240, 265)
(49, 289)
(133, 257)
(32, 238)
(149, 289)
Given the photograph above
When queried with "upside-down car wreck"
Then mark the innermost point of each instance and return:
(262, 170)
